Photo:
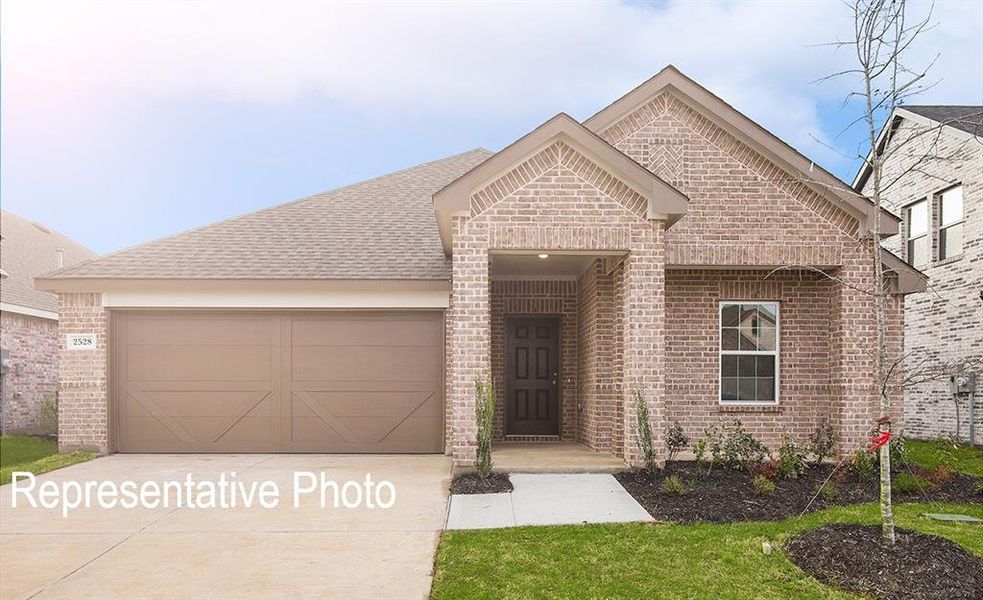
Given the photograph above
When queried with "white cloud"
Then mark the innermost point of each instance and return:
(64, 60)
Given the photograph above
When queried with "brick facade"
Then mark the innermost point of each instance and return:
(83, 396)
(945, 323)
(32, 344)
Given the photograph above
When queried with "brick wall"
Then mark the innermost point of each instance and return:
(945, 323)
(599, 376)
(32, 343)
(83, 396)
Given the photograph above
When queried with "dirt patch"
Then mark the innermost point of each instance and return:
(726, 495)
(918, 566)
(470, 483)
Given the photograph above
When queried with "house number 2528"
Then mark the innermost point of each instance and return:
(85, 341)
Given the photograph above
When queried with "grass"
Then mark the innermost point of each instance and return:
(658, 560)
(969, 460)
(35, 455)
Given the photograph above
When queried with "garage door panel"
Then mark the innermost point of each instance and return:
(229, 382)
(366, 331)
(346, 363)
(205, 329)
(199, 363)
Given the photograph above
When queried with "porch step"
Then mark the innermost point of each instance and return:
(532, 438)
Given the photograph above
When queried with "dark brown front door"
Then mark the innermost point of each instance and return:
(532, 363)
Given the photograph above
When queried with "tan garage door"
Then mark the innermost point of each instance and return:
(278, 382)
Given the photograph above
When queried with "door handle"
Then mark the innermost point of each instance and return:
(554, 377)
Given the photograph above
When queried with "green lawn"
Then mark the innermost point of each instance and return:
(36, 455)
(969, 460)
(656, 561)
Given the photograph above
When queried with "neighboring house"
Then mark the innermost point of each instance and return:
(582, 263)
(934, 179)
(29, 318)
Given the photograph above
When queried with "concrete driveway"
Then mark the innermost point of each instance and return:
(285, 552)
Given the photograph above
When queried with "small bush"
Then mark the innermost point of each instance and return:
(708, 450)
(863, 464)
(822, 441)
(740, 449)
(484, 412)
(906, 483)
(768, 468)
(791, 459)
(899, 455)
(939, 476)
(676, 440)
(48, 415)
(674, 485)
(763, 486)
(644, 431)
(829, 491)
(700, 452)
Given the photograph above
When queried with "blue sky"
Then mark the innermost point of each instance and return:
(124, 122)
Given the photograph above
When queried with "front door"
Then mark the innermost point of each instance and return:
(532, 364)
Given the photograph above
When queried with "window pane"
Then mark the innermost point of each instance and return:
(745, 389)
(765, 366)
(730, 315)
(748, 338)
(728, 339)
(728, 365)
(918, 219)
(766, 340)
(950, 241)
(728, 389)
(747, 366)
(767, 315)
(951, 206)
(765, 389)
(918, 251)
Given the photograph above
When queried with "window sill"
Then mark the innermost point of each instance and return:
(749, 408)
(947, 261)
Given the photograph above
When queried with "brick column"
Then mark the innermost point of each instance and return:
(83, 391)
(854, 341)
(469, 336)
(644, 335)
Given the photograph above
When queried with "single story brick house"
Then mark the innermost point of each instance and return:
(29, 318)
(585, 261)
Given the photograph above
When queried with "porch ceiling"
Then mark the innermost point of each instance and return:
(530, 266)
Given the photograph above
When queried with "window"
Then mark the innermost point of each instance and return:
(916, 218)
(950, 222)
(749, 333)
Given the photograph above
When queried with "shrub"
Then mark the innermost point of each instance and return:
(899, 455)
(768, 468)
(791, 459)
(644, 431)
(674, 485)
(484, 412)
(906, 483)
(822, 441)
(939, 476)
(763, 486)
(676, 440)
(863, 464)
(740, 449)
(700, 452)
(48, 415)
(829, 491)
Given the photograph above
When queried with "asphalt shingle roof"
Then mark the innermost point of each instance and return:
(28, 250)
(382, 228)
(966, 118)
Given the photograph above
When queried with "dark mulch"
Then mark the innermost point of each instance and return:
(852, 557)
(726, 495)
(470, 483)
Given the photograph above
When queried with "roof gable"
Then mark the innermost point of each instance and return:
(623, 114)
(662, 201)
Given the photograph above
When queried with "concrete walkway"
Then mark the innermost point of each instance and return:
(548, 499)
(285, 552)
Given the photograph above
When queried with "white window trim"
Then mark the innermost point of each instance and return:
(777, 352)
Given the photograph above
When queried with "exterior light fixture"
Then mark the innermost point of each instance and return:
(544, 256)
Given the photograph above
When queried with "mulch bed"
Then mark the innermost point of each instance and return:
(470, 483)
(852, 557)
(727, 495)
